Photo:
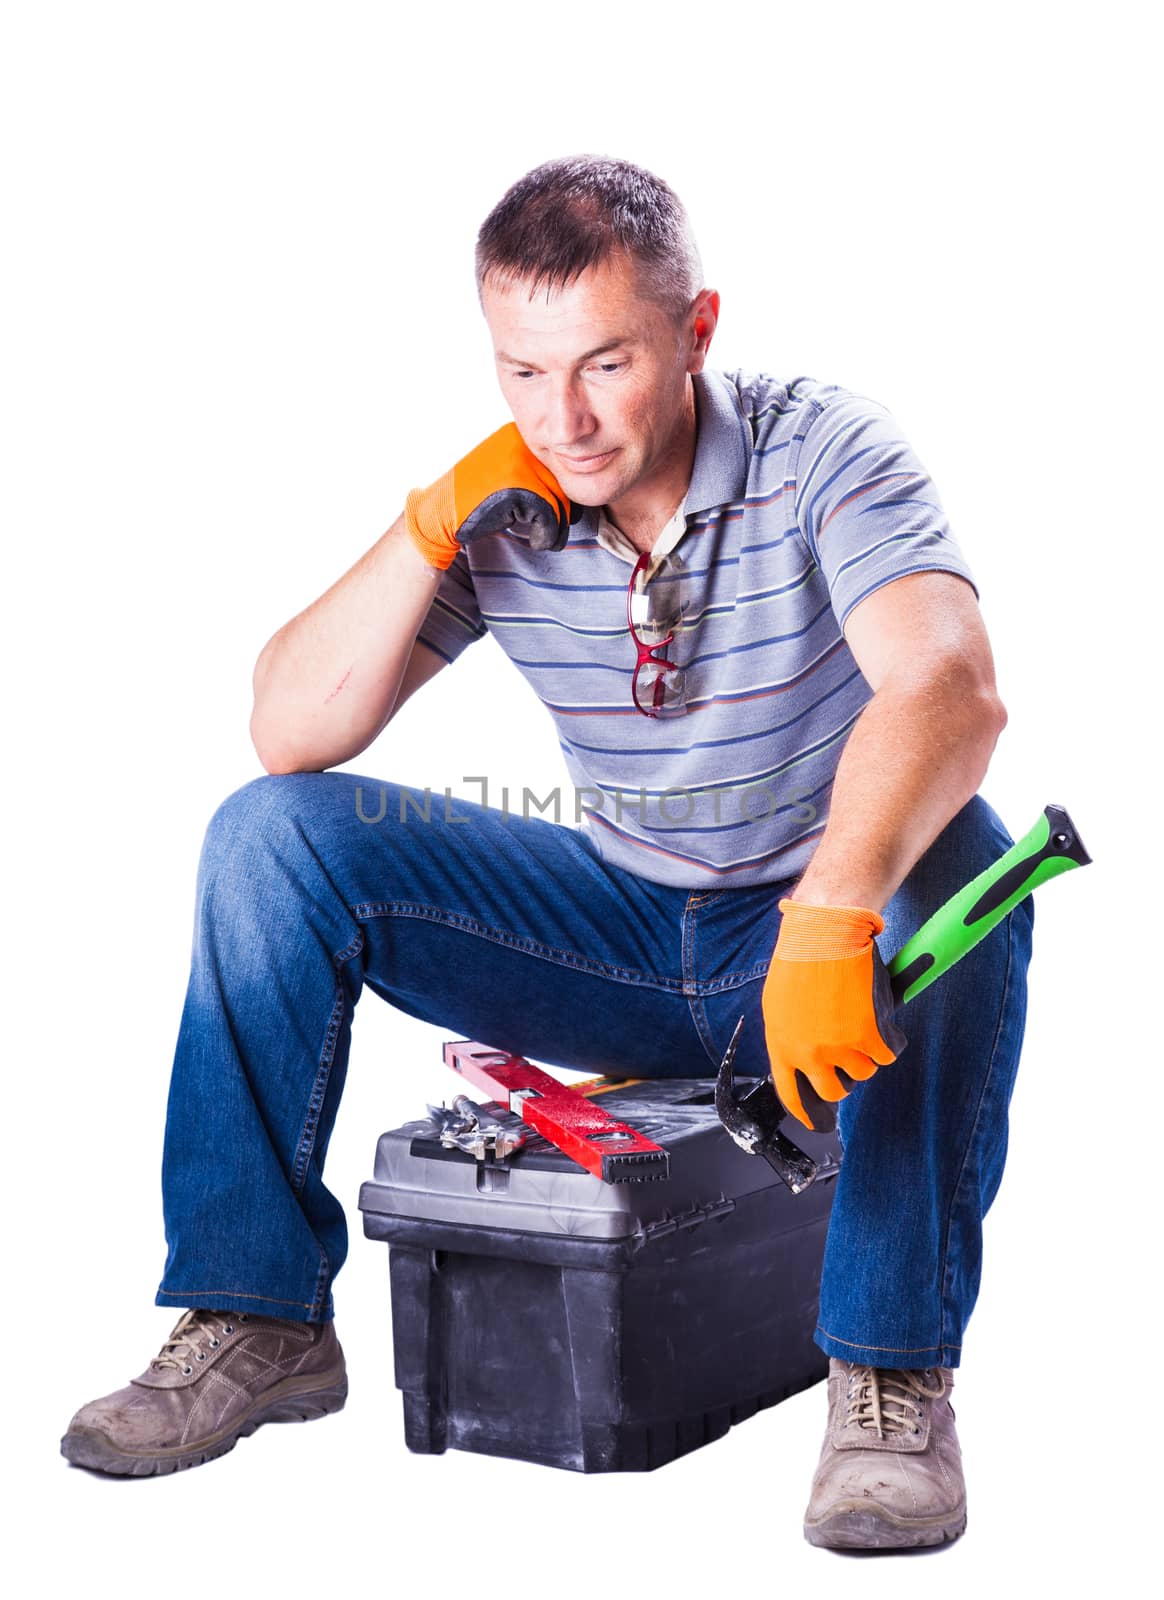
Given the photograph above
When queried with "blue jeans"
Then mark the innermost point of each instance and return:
(513, 931)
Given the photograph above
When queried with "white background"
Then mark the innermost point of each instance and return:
(239, 324)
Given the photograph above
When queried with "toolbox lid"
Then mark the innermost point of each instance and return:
(540, 1189)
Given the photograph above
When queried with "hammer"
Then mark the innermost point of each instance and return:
(754, 1118)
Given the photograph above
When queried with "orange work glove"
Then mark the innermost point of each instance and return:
(498, 485)
(827, 1002)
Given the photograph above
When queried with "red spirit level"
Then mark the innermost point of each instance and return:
(564, 1114)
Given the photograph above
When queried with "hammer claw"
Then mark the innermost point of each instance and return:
(753, 1120)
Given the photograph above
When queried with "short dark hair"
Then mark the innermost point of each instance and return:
(574, 212)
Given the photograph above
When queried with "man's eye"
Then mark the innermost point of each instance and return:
(609, 366)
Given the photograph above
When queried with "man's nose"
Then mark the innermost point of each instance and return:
(569, 418)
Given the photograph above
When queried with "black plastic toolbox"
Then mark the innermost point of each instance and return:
(542, 1314)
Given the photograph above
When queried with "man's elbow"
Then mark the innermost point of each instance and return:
(280, 767)
(986, 717)
(966, 679)
(992, 710)
(965, 698)
(979, 694)
(279, 760)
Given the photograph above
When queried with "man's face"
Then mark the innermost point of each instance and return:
(595, 376)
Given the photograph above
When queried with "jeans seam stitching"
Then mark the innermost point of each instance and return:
(310, 1128)
(695, 1005)
(733, 980)
(322, 1280)
(368, 910)
(187, 1295)
(306, 1141)
(894, 1349)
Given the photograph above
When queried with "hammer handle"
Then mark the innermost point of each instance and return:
(1052, 846)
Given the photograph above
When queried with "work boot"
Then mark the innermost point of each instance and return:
(218, 1376)
(890, 1471)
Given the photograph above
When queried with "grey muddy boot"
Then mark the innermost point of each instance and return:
(890, 1471)
(218, 1377)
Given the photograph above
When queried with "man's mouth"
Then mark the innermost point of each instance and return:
(586, 463)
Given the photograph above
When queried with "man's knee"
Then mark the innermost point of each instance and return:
(265, 801)
(260, 814)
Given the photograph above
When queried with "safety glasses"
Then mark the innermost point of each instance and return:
(654, 613)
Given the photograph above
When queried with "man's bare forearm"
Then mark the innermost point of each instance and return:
(326, 683)
(916, 755)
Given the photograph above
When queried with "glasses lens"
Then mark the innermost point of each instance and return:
(660, 689)
(659, 609)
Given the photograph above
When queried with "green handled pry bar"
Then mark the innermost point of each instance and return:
(1052, 846)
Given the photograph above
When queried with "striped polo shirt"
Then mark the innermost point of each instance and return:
(804, 498)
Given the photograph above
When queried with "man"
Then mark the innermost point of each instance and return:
(739, 600)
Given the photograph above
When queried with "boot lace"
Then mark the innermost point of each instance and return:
(185, 1343)
(889, 1401)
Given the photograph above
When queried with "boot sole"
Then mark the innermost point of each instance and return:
(858, 1528)
(88, 1447)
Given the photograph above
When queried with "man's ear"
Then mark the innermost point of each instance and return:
(706, 309)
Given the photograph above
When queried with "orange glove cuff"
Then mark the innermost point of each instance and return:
(430, 515)
(825, 933)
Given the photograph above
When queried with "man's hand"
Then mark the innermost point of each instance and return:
(827, 1003)
(498, 485)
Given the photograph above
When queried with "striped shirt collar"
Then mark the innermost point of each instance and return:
(614, 540)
